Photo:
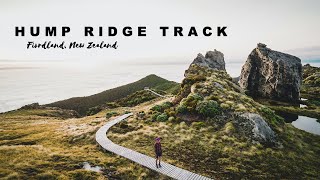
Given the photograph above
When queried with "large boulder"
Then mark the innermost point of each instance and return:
(271, 74)
(212, 59)
(256, 128)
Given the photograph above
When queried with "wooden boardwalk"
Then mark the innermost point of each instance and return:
(155, 93)
(144, 160)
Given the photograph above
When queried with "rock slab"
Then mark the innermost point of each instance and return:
(212, 59)
(257, 128)
(272, 75)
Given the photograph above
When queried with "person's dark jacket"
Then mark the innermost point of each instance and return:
(157, 148)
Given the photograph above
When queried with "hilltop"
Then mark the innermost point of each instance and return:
(83, 104)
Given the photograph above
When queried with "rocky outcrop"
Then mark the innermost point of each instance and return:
(210, 95)
(271, 74)
(212, 59)
(50, 111)
(255, 127)
(31, 106)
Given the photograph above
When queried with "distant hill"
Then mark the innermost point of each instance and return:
(311, 81)
(83, 104)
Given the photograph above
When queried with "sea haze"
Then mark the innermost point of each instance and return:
(25, 83)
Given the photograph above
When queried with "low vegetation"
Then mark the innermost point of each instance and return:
(198, 129)
(311, 81)
(216, 152)
(34, 146)
(137, 98)
(200, 133)
(83, 104)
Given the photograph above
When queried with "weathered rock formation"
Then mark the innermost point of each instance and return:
(271, 74)
(255, 127)
(210, 95)
(213, 60)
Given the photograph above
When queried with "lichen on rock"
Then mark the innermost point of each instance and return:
(212, 60)
(271, 74)
(209, 95)
(256, 128)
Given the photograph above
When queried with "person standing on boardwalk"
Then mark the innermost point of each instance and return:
(158, 151)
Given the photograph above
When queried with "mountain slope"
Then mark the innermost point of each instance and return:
(83, 104)
(214, 129)
(311, 80)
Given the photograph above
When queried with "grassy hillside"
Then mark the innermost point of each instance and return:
(203, 130)
(136, 98)
(83, 104)
(36, 146)
(311, 81)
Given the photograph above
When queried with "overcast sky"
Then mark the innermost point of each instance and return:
(287, 25)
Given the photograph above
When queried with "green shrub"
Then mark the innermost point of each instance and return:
(193, 79)
(162, 117)
(162, 107)
(315, 102)
(155, 116)
(136, 98)
(166, 105)
(182, 108)
(93, 110)
(157, 108)
(196, 96)
(191, 101)
(208, 108)
(110, 114)
(112, 105)
(271, 116)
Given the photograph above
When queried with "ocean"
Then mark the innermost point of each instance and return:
(46, 82)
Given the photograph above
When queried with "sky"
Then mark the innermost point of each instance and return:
(290, 26)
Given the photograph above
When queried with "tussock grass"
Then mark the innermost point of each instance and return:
(220, 153)
(38, 147)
